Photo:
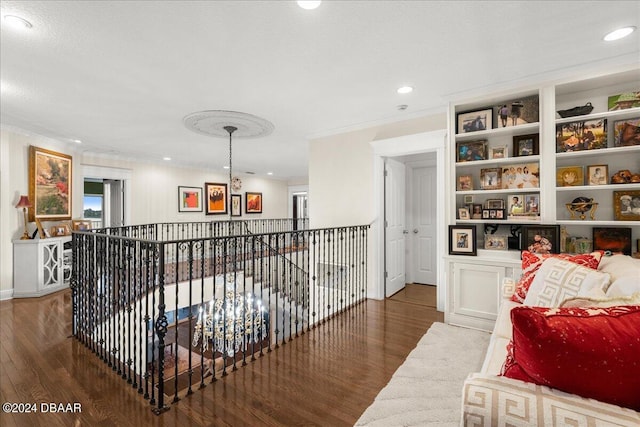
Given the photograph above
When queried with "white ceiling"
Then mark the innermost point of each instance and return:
(121, 75)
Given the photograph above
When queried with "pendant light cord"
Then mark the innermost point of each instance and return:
(231, 130)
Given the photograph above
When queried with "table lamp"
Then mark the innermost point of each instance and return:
(24, 203)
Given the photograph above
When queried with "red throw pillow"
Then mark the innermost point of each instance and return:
(531, 263)
(591, 352)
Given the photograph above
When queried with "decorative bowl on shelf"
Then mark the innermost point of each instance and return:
(576, 111)
(580, 206)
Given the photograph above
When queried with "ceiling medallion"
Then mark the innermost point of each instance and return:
(213, 123)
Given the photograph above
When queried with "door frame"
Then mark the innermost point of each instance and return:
(104, 172)
(425, 142)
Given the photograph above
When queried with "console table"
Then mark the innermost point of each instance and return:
(41, 266)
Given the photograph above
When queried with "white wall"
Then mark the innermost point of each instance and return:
(154, 191)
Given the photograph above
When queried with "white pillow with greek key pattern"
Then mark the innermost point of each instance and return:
(560, 279)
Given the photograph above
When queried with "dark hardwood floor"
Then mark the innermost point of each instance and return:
(327, 377)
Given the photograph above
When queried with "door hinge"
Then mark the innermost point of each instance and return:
(386, 224)
(385, 172)
(386, 275)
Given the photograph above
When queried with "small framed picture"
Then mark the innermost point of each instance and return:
(515, 204)
(465, 183)
(474, 121)
(189, 199)
(540, 239)
(597, 175)
(486, 213)
(569, 176)
(495, 204)
(462, 240)
(494, 242)
(80, 225)
(501, 152)
(626, 205)
(493, 214)
(523, 175)
(582, 135)
(471, 151)
(500, 214)
(491, 178)
(626, 132)
(518, 111)
(467, 199)
(236, 205)
(532, 204)
(612, 239)
(526, 145)
(463, 213)
(476, 213)
(623, 101)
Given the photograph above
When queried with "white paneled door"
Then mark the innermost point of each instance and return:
(395, 232)
(424, 227)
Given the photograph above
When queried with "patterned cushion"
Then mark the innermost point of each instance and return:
(592, 352)
(558, 279)
(488, 400)
(531, 263)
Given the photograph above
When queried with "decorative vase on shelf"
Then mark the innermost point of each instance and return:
(580, 206)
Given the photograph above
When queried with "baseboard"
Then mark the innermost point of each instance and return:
(6, 294)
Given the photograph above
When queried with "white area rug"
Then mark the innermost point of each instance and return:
(426, 390)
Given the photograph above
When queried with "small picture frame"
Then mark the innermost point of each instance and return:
(522, 175)
(236, 205)
(532, 204)
(616, 240)
(468, 199)
(623, 101)
(597, 175)
(474, 121)
(569, 176)
(476, 213)
(500, 214)
(80, 225)
(540, 239)
(494, 204)
(501, 152)
(465, 183)
(463, 213)
(486, 213)
(526, 145)
(462, 240)
(491, 178)
(515, 203)
(495, 242)
(471, 151)
(581, 135)
(626, 205)
(626, 132)
(189, 199)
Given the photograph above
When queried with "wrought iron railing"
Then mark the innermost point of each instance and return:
(169, 315)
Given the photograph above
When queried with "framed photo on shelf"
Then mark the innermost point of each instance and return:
(463, 213)
(49, 184)
(515, 204)
(80, 225)
(216, 198)
(494, 204)
(468, 199)
(462, 240)
(612, 239)
(582, 135)
(471, 151)
(523, 175)
(626, 205)
(253, 202)
(517, 112)
(623, 101)
(540, 239)
(491, 178)
(42, 232)
(189, 199)
(465, 183)
(597, 175)
(569, 176)
(500, 214)
(532, 204)
(236, 205)
(495, 242)
(474, 121)
(626, 132)
(501, 152)
(485, 213)
(476, 213)
(526, 145)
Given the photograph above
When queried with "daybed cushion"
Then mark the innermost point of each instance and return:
(558, 279)
(592, 352)
(488, 400)
(531, 263)
(625, 274)
(601, 301)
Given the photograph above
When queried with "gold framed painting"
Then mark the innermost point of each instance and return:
(50, 181)
(569, 176)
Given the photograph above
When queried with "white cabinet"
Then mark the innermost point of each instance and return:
(41, 266)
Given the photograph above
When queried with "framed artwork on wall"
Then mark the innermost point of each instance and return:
(49, 185)
(189, 199)
(236, 205)
(216, 198)
(253, 202)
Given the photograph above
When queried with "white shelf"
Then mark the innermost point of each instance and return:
(494, 162)
(598, 223)
(508, 131)
(618, 114)
(602, 152)
(501, 191)
(616, 187)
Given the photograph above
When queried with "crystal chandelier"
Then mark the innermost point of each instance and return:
(231, 323)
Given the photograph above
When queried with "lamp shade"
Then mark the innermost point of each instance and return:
(24, 202)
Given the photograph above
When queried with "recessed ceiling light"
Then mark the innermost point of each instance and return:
(309, 4)
(17, 22)
(225, 167)
(619, 33)
(405, 89)
(269, 173)
(166, 158)
(77, 141)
